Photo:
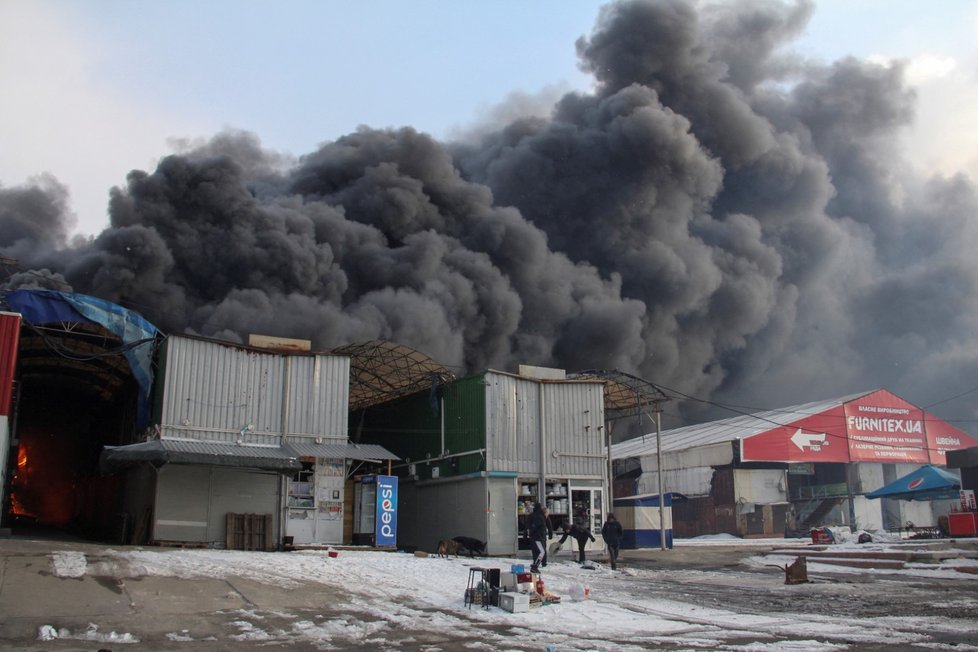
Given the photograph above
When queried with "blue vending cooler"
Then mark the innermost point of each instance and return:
(375, 516)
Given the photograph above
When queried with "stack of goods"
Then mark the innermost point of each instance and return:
(477, 594)
(520, 591)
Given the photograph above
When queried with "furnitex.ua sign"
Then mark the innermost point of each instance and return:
(877, 427)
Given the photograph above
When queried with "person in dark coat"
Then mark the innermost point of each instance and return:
(538, 530)
(581, 534)
(611, 533)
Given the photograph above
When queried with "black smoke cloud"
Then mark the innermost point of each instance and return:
(719, 216)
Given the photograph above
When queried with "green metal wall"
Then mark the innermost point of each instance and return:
(411, 428)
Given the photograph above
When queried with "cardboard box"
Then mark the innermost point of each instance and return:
(514, 602)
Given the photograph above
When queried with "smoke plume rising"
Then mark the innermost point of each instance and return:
(718, 216)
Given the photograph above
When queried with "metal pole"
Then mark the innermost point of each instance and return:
(658, 462)
(611, 477)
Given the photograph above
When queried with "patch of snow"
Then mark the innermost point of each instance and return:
(91, 633)
(69, 564)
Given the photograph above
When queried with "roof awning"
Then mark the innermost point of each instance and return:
(348, 451)
(270, 458)
(162, 451)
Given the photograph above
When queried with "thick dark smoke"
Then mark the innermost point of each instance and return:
(718, 216)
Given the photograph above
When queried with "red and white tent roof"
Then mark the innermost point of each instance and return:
(869, 427)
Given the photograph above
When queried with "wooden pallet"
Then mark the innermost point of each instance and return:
(180, 544)
(249, 532)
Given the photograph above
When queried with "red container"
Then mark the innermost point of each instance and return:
(963, 524)
(821, 535)
(333, 553)
(540, 585)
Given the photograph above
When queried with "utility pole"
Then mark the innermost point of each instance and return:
(657, 410)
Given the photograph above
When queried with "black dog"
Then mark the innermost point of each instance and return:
(474, 546)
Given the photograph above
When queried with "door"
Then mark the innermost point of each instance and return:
(587, 510)
(315, 502)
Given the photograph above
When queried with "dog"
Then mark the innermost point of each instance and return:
(474, 546)
(447, 547)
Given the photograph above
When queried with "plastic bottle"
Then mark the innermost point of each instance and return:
(540, 585)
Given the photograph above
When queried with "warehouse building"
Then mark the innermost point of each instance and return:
(115, 431)
(787, 470)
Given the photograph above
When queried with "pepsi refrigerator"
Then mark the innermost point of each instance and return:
(375, 511)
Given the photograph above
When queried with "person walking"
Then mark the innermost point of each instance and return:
(581, 535)
(538, 530)
(611, 533)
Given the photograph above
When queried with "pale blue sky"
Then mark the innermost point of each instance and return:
(95, 88)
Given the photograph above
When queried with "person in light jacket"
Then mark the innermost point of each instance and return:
(611, 533)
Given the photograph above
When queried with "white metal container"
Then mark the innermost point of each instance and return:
(514, 602)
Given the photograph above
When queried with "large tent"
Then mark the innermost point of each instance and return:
(926, 483)
(872, 426)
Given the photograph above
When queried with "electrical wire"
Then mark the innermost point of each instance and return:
(835, 436)
(66, 352)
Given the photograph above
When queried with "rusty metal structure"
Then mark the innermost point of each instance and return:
(381, 371)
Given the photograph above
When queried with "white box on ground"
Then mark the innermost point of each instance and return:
(514, 602)
(507, 581)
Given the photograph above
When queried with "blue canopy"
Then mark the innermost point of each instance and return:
(926, 483)
(47, 306)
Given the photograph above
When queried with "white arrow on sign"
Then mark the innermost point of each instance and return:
(814, 441)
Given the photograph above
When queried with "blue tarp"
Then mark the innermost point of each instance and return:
(50, 306)
(926, 483)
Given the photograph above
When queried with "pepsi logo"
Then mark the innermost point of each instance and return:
(915, 483)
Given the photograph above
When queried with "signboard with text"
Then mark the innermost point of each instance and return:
(385, 532)
(943, 437)
(877, 427)
(885, 428)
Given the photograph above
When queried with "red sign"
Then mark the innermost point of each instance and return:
(885, 428)
(878, 427)
(817, 438)
(943, 437)
(9, 339)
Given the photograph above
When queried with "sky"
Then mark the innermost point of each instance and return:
(759, 204)
(94, 89)
(391, 599)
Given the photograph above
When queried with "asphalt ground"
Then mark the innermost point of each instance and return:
(32, 597)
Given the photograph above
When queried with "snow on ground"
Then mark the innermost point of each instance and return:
(382, 593)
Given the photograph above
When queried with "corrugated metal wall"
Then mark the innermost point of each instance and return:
(319, 399)
(461, 510)
(224, 393)
(574, 430)
(4, 452)
(465, 422)
(569, 417)
(411, 427)
(513, 424)
(9, 339)
(192, 501)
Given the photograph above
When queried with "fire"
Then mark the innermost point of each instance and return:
(17, 508)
